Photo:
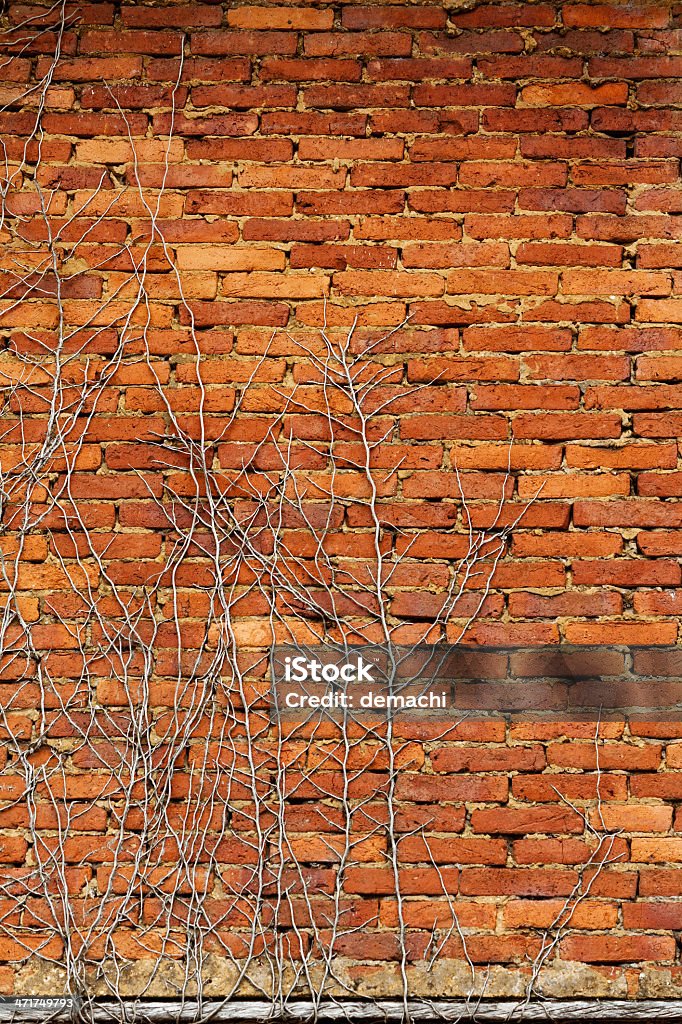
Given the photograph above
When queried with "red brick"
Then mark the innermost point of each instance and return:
(588, 914)
(629, 513)
(462, 149)
(249, 43)
(551, 788)
(501, 456)
(413, 881)
(244, 97)
(503, 282)
(558, 148)
(630, 456)
(83, 124)
(554, 225)
(446, 256)
(548, 254)
(623, 173)
(524, 821)
(177, 16)
(573, 545)
(611, 756)
(575, 94)
(265, 150)
(651, 915)
(471, 42)
(443, 368)
(339, 257)
(350, 149)
(457, 759)
(279, 18)
(529, 65)
(577, 367)
(284, 230)
(394, 284)
(524, 120)
(405, 228)
(629, 397)
(310, 69)
(661, 199)
(659, 368)
(135, 41)
(393, 17)
(560, 851)
(592, 605)
(432, 427)
(605, 311)
(137, 97)
(415, 849)
(656, 543)
(630, 818)
(632, 633)
(525, 396)
(659, 93)
(383, 44)
(490, 15)
(398, 176)
(615, 282)
(461, 201)
(614, 15)
(464, 95)
(425, 789)
(637, 67)
(576, 200)
(367, 201)
(569, 426)
(416, 69)
(655, 256)
(351, 97)
(516, 881)
(207, 70)
(424, 913)
(218, 124)
(617, 948)
(83, 69)
(629, 339)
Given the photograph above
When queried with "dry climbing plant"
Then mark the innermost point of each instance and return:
(135, 696)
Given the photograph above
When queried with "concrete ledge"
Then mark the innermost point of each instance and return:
(159, 1012)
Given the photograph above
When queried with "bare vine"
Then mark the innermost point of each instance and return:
(207, 851)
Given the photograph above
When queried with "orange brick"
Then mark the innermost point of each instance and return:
(575, 94)
(279, 18)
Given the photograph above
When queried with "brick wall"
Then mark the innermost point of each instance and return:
(505, 176)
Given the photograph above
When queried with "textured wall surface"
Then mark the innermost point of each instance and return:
(506, 176)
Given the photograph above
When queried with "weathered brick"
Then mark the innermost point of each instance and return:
(218, 42)
(384, 44)
(575, 94)
(617, 948)
(279, 18)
